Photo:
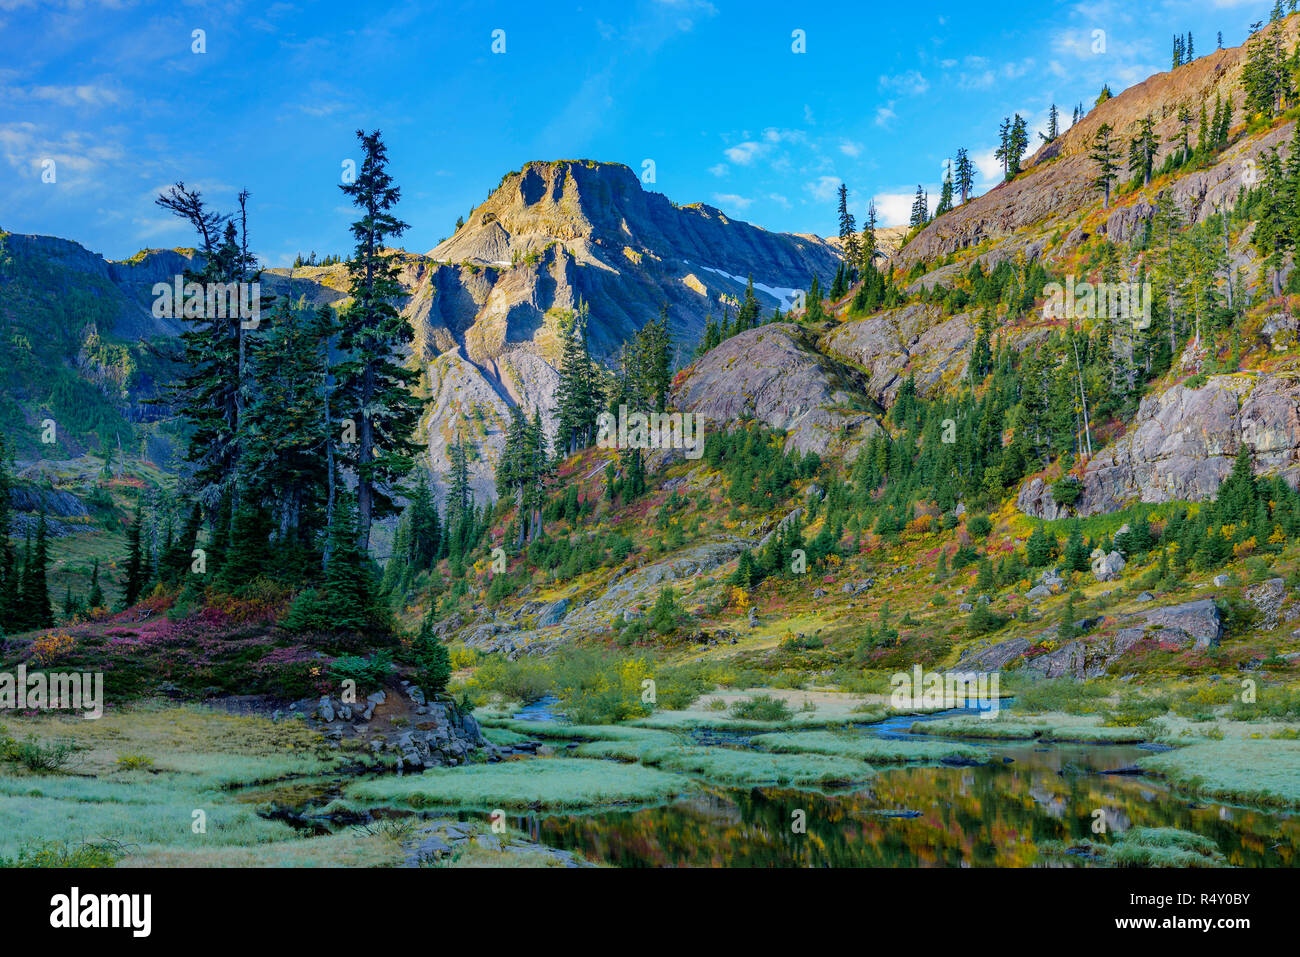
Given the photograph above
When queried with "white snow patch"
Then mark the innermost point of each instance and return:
(782, 294)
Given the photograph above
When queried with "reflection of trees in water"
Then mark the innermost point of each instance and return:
(985, 816)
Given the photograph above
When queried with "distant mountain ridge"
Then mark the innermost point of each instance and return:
(485, 304)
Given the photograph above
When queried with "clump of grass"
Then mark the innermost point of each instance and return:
(1060, 694)
(41, 758)
(1246, 771)
(1134, 711)
(761, 707)
(754, 769)
(134, 762)
(393, 828)
(45, 854)
(1142, 847)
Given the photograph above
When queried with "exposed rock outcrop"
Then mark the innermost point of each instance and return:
(911, 340)
(771, 375)
(1193, 624)
(1183, 442)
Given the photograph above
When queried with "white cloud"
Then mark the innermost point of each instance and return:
(885, 114)
(719, 169)
(742, 154)
(82, 94)
(731, 199)
(908, 83)
(988, 165)
(894, 209)
(823, 188)
(850, 148)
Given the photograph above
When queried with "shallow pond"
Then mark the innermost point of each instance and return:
(906, 816)
(910, 816)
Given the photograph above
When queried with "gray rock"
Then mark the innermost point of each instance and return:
(1221, 581)
(768, 374)
(1267, 598)
(1107, 567)
(1038, 593)
(553, 613)
(1183, 442)
(1198, 619)
(1145, 596)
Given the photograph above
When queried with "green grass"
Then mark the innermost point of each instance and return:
(1143, 847)
(879, 750)
(197, 758)
(1052, 727)
(1247, 771)
(541, 783)
(730, 766)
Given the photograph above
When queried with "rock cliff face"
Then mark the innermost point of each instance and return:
(771, 375)
(1183, 443)
(485, 304)
(911, 340)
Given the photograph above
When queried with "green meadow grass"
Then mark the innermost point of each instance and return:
(1242, 770)
(196, 759)
(879, 750)
(539, 783)
(729, 766)
(1050, 727)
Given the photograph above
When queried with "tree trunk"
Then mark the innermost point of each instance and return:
(365, 485)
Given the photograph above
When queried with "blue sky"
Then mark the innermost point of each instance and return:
(712, 92)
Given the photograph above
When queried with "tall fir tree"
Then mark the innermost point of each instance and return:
(1053, 125)
(8, 569)
(209, 391)
(374, 388)
(37, 611)
(133, 584)
(1103, 154)
(964, 175)
(848, 230)
(577, 395)
(945, 193)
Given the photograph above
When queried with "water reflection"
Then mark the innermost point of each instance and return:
(988, 816)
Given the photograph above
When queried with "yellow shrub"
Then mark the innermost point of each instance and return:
(49, 648)
(1244, 548)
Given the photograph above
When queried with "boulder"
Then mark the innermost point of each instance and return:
(1267, 598)
(1107, 567)
(1200, 620)
(553, 613)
